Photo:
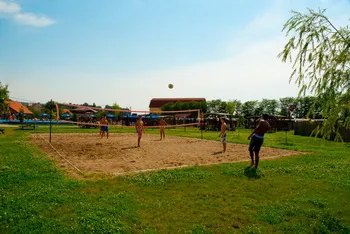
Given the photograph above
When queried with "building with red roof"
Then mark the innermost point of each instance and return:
(16, 107)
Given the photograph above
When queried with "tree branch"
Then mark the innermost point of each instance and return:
(330, 23)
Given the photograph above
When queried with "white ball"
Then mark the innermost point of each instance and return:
(170, 86)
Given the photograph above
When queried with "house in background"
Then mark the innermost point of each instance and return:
(156, 104)
(16, 107)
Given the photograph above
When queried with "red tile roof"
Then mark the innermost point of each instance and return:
(83, 109)
(16, 107)
(159, 102)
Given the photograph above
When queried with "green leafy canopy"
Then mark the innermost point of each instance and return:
(320, 54)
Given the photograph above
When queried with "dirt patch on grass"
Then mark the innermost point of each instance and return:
(119, 154)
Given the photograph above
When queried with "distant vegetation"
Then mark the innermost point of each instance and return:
(306, 107)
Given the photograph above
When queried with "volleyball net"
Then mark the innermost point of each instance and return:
(90, 117)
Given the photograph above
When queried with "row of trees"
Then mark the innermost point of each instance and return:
(185, 106)
(305, 107)
(37, 109)
(46, 109)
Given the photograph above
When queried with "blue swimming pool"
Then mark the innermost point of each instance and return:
(6, 121)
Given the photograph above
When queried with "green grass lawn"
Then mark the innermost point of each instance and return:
(299, 194)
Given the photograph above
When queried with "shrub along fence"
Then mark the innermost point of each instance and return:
(306, 128)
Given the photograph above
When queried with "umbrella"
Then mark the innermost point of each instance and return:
(154, 116)
(151, 116)
(130, 116)
(110, 116)
(66, 115)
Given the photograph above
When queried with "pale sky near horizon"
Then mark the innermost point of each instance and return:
(128, 51)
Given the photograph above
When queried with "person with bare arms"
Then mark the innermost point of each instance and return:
(162, 125)
(257, 139)
(99, 124)
(104, 127)
(223, 134)
(139, 130)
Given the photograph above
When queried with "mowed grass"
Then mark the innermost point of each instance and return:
(299, 194)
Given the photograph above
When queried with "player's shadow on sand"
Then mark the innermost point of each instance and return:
(252, 173)
(130, 147)
(216, 153)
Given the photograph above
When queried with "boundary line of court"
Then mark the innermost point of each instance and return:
(61, 155)
(196, 165)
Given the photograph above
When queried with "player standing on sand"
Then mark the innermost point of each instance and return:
(223, 134)
(257, 139)
(100, 127)
(104, 128)
(162, 125)
(139, 130)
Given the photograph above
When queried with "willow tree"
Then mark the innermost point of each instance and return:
(320, 54)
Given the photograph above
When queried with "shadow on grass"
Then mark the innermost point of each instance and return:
(287, 144)
(24, 129)
(252, 173)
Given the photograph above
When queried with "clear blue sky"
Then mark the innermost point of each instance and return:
(127, 51)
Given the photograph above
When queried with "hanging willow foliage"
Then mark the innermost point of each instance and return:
(320, 54)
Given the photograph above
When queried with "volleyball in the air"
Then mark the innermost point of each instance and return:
(170, 86)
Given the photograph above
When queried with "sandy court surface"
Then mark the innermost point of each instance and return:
(119, 154)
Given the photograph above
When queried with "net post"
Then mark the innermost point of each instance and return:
(57, 114)
(50, 119)
(199, 123)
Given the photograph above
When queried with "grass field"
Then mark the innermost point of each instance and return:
(299, 194)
